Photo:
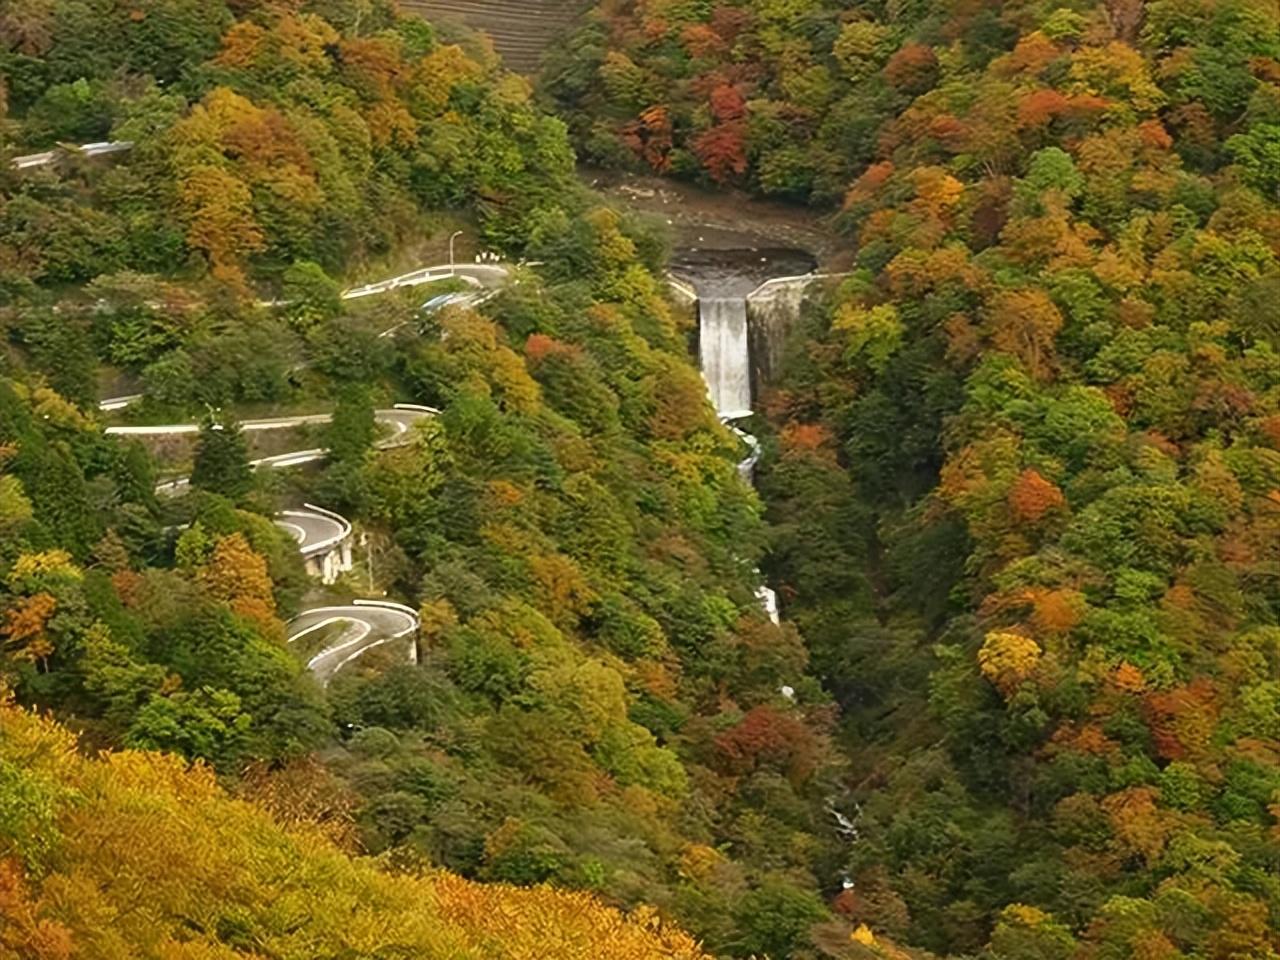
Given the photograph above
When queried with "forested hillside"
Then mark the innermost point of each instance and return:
(134, 855)
(798, 98)
(1025, 484)
(596, 699)
(1020, 494)
(262, 139)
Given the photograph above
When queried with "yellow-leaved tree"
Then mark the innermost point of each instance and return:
(1006, 659)
(138, 854)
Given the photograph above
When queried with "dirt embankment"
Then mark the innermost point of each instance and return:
(703, 219)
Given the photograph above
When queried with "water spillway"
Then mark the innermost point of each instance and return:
(725, 356)
(721, 280)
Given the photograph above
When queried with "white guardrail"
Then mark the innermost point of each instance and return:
(99, 149)
(422, 407)
(389, 605)
(321, 546)
(350, 614)
(294, 457)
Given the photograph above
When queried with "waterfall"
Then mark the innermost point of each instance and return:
(722, 323)
(726, 367)
(747, 466)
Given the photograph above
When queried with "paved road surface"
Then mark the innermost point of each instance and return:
(249, 426)
(365, 626)
(313, 528)
(399, 418)
(487, 275)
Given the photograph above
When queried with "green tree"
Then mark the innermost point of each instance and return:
(221, 459)
(1026, 933)
(351, 432)
(775, 918)
(62, 347)
(206, 724)
(61, 498)
(1257, 151)
(311, 296)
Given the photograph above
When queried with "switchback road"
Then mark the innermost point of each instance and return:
(359, 627)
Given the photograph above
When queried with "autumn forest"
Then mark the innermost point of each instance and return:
(378, 578)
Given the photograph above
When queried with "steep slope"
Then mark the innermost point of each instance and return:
(135, 854)
(598, 701)
(1026, 469)
(521, 30)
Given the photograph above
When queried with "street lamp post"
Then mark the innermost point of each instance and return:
(453, 236)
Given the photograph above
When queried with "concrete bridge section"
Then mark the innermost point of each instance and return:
(323, 537)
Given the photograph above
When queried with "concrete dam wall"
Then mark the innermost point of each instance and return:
(772, 310)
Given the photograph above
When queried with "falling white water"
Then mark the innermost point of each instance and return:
(722, 329)
(746, 466)
(726, 367)
(768, 598)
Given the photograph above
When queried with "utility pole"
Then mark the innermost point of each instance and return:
(453, 236)
(368, 557)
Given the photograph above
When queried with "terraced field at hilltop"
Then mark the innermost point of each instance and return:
(521, 29)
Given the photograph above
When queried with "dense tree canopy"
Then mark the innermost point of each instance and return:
(597, 697)
(598, 700)
(181, 869)
(1020, 493)
(1024, 481)
(798, 99)
(264, 140)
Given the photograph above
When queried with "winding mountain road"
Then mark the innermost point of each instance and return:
(314, 529)
(368, 623)
(365, 624)
(317, 531)
(486, 275)
(399, 418)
